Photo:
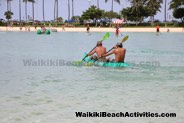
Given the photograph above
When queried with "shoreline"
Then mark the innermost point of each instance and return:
(98, 29)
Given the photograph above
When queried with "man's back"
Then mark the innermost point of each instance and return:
(100, 51)
(120, 54)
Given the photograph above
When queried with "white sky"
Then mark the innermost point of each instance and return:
(79, 7)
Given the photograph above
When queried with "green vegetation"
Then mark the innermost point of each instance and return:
(177, 6)
(8, 15)
(92, 13)
(134, 15)
(179, 14)
(118, 1)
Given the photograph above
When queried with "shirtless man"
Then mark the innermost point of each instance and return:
(119, 52)
(99, 50)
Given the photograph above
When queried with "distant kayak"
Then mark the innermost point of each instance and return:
(39, 32)
(88, 62)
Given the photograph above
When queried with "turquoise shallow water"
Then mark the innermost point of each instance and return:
(37, 94)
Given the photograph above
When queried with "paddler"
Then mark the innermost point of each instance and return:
(119, 53)
(99, 50)
(43, 29)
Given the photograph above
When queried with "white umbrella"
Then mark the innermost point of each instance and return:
(118, 21)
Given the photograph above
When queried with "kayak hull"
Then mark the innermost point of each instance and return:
(88, 62)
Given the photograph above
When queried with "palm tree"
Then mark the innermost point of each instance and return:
(20, 10)
(98, 4)
(137, 7)
(165, 11)
(43, 10)
(174, 4)
(72, 8)
(8, 5)
(68, 9)
(32, 1)
(154, 6)
(118, 1)
(25, 8)
(8, 15)
(56, 10)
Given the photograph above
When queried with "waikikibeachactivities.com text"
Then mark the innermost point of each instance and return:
(61, 62)
(123, 114)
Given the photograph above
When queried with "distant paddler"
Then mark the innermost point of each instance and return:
(43, 29)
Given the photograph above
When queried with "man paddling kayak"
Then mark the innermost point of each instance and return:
(119, 53)
(43, 29)
(99, 50)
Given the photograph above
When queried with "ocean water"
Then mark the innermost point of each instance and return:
(31, 93)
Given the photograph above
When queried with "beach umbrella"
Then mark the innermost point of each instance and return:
(118, 21)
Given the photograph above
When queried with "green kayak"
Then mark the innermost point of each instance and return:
(88, 62)
(39, 32)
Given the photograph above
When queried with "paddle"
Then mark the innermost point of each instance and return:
(106, 36)
(122, 41)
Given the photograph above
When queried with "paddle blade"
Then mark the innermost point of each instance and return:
(106, 36)
(124, 39)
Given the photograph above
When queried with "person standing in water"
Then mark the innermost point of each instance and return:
(158, 28)
(29, 28)
(117, 30)
(20, 26)
(35, 25)
(63, 27)
(88, 28)
(119, 53)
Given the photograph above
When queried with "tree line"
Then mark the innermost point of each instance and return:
(137, 12)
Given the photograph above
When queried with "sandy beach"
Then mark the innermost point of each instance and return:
(98, 29)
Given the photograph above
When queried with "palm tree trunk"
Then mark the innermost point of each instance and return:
(43, 10)
(72, 8)
(165, 12)
(26, 10)
(57, 10)
(98, 4)
(7, 11)
(20, 11)
(7, 5)
(33, 10)
(10, 5)
(112, 5)
(68, 9)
